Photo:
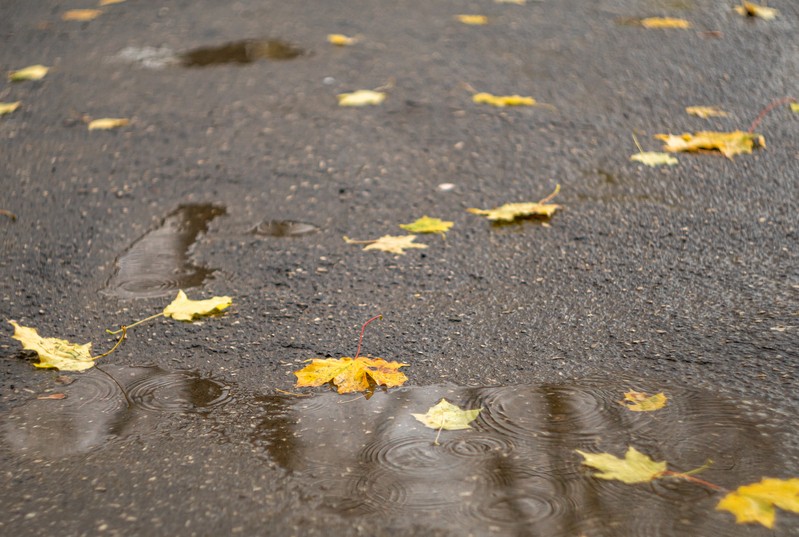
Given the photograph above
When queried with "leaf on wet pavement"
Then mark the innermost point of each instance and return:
(665, 22)
(729, 143)
(351, 375)
(756, 502)
(445, 415)
(185, 309)
(427, 224)
(53, 352)
(7, 108)
(748, 9)
(511, 211)
(517, 2)
(635, 467)
(52, 396)
(643, 402)
(109, 2)
(107, 123)
(502, 101)
(395, 244)
(341, 40)
(361, 98)
(472, 20)
(32, 72)
(706, 111)
(795, 107)
(654, 158)
(81, 15)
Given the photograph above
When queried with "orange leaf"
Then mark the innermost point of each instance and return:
(351, 375)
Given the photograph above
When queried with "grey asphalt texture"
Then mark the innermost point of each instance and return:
(687, 274)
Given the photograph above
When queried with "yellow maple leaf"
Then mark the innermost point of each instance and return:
(185, 309)
(653, 158)
(473, 20)
(729, 143)
(756, 502)
(445, 415)
(341, 40)
(32, 72)
(426, 224)
(7, 108)
(511, 211)
(351, 375)
(635, 467)
(502, 101)
(361, 98)
(53, 352)
(107, 123)
(665, 22)
(395, 244)
(643, 402)
(748, 9)
(706, 111)
(81, 15)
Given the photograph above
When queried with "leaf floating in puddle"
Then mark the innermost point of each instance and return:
(642, 402)
(7, 108)
(395, 244)
(756, 502)
(33, 72)
(53, 352)
(728, 143)
(635, 467)
(706, 111)
(665, 22)
(107, 123)
(361, 98)
(185, 309)
(81, 15)
(445, 415)
(341, 40)
(748, 9)
(511, 211)
(426, 224)
(502, 101)
(351, 375)
(472, 20)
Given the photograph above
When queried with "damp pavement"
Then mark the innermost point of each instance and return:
(239, 175)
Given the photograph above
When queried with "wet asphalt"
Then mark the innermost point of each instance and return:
(241, 179)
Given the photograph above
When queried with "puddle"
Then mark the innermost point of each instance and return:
(284, 228)
(158, 263)
(97, 410)
(240, 52)
(516, 471)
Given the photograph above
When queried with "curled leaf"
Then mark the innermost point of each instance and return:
(53, 352)
(33, 72)
(652, 158)
(748, 9)
(706, 111)
(351, 375)
(756, 502)
(511, 211)
(185, 309)
(361, 98)
(81, 15)
(341, 40)
(642, 402)
(502, 101)
(665, 22)
(7, 108)
(426, 224)
(473, 20)
(107, 123)
(635, 467)
(729, 143)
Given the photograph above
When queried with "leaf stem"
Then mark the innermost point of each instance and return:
(123, 328)
(771, 106)
(549, 198)
(640, 149)
(363, 328)
(692, 479)
(124, 331)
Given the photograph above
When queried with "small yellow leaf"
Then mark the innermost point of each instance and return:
(748, 9)
(511, 211)
(474, 20)
(756, 502)
(395, 244)
(445, 415)
(729, 143)
(795, 107)
(635, 467)
(426, 224)
(652, 158)
(185, 309)
(53, 352)
(341, 40)
(107, 123)
(109, 2)
(503, 100)
(351, 375)
(81, 14)
(706, 111)
(7, 108)
(665, 22)
(361, 98)
(33, 72)
(642, 402)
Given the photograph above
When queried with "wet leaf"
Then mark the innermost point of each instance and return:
(756, 502)
(7, 108)
(652, 158)
(511, 211)
(395, 244)
(795, 107)
(635, 467)
(706, 111)
(33, 72)
(107, 123)
(729, 143)
(361, 98)
(350, 375)
(445, 415)
(643, 402)
(426, 224)
(502, 101)
(53, 396)
(748, 9)
(665, 22)
(81, 14)
(473, 20)
(109, 2)
(517, 2)
(53, 352)
(185, 309)
(341, 40)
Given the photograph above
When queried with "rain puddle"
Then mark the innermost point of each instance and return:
(158, 264)
(516, 471)
(284, 228)
(240, 52)
(96, 409)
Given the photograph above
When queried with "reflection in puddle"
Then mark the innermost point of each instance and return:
(284, 228)
(96, 409)
(158, 263)
(516, 472)
(242, 52)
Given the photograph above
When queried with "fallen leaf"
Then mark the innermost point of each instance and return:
(33, 72)
(729, 143)
(55, 396)
(107, 123)
(474, 20)
(54, 353)
(64, 380)
(511, 211)
(185, 309)
(517, 2)
(395, 244)
(81, 15)
(341, 40)
(635, 467)
(665, 22)
(445, 415)
(706, 111)
(642, 402)
(361, 98)
(756, 502)
(351, 375)
(748, 9)
(795, 107)
(502, 101)
(426, 224)
(7, 108)
(653, 158)
(109, 2)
